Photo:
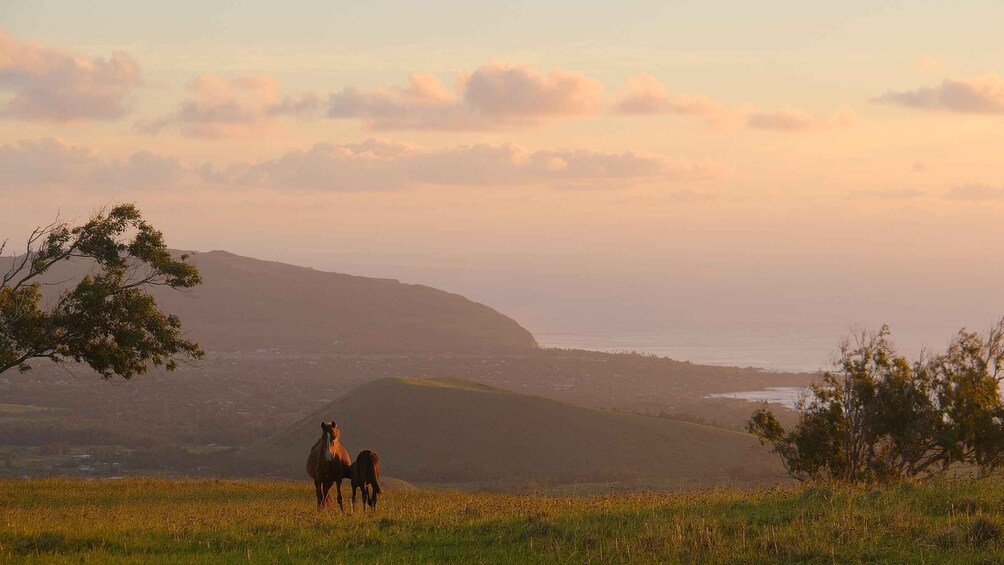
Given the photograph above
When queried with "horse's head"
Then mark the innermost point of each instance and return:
(329, 436)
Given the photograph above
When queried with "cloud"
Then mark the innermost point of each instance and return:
(50, 83)
(647, 95)
(509, 91)
(786, 119)
(245, 106)
(372, 165)
(51, 162)
(383, 165)
(44, 161)
(976, 192)
(976, 95)
(888, 194)
(791, 119)
(491, 97)
(141, 170)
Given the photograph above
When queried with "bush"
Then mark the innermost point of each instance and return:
(881, 417)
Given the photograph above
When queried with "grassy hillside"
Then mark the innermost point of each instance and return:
(449, 430)
(246, 304)
(147, 520)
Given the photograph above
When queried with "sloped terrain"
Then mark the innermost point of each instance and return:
(247, 304)
(455, 431)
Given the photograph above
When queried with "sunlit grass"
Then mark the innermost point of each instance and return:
(143, 520)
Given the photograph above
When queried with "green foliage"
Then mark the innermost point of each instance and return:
(185, 521)
(108, 320)
(882, 417)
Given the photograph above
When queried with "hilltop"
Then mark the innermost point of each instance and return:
(247, 304)
(457, 431)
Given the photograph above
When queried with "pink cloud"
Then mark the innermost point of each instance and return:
(791, 119)
(976, 95)
(785, 119)
(383, 165)
(502, 90)
(372, 165)
(647, 95)
(50, 83)
(491, 97)
(52, 162)
(245, 106)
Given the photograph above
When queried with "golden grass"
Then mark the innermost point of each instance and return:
(187, 521)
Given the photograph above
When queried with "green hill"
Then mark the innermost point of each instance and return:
(455, 431)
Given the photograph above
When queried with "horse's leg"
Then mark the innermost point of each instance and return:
(317, 490)
(366, 495)
(338, 485)
(354, 498)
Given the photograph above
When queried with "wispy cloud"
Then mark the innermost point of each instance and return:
(52, 162)
(245, 106)
(976, 95)
(791, 120)
(888, 194)
(384, 165)
(976, 192)
(647, 95)
(51, 83)
(372, 165)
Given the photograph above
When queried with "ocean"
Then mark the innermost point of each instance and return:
(779, 348)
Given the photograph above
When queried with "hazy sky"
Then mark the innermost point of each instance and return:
(568, 162)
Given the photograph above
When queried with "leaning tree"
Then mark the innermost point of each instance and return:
(107, 319)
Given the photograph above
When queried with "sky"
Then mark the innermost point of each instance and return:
(575, 164)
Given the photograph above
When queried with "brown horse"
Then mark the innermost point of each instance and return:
(328, 463)
(366, 471)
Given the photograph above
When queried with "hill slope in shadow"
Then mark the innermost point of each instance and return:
(246, 304)
(455, 431)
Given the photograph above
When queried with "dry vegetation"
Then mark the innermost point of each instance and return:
(151, 520)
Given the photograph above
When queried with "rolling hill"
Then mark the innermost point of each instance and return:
(247, 304)
(455, 431)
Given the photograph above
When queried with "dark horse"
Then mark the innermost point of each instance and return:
(366, 471)
(328, 463)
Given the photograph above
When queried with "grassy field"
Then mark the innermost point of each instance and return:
(180, 521)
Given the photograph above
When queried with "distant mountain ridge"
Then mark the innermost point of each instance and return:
(247, 304)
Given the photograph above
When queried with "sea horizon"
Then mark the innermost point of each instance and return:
(769, 348)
